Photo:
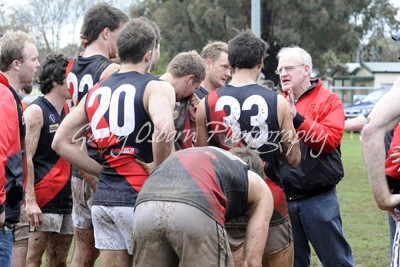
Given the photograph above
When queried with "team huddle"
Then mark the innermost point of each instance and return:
(201, 166)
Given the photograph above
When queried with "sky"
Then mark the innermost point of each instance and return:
(69, 35)
(14, 3)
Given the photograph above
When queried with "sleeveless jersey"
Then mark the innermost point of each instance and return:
(207, 178)
(83, 73)
(122, 131)
(201, 92)
(247, 115)
(52, 173)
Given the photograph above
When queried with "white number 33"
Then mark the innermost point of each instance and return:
(255, 137)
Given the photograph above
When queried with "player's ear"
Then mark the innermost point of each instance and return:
(16, 64)
(148, 55)
(190, 78)
(106, 33)
(208, 62)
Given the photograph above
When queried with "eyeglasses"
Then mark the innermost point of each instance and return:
(287, 68)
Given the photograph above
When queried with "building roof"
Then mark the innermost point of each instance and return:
(351, 67)
(345, 69)
(377, 67)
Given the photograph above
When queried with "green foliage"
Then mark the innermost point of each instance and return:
(333, 31)
(374, 25)
(162, 62)
(319, 26)
(188, 25)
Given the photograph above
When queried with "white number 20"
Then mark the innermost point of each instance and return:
(110, 101)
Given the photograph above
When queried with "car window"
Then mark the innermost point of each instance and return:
(374, 96)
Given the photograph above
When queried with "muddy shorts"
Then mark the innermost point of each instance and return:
(57, 223)
(178, 234)
(82, 196)
(280, 236)
(21, 230)
(113, 227)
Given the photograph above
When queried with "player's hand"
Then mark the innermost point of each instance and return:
(34, 214)
(116, 60)
(194, 100)
(396, 156)
(290, 99)
(394, 216)
(93, 183)
(2, 218)
(391, 203)
(148, 167)
(92, 180)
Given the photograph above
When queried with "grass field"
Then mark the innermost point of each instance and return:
(364, 225)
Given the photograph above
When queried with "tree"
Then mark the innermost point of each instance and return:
(374, 23)
(331, 30)
(322, 27)
(190, 24)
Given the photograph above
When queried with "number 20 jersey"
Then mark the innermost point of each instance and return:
(122, 131)
(246, 116)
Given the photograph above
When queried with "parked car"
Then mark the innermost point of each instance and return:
(366, 104)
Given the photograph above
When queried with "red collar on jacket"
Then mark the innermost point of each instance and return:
(4, 80)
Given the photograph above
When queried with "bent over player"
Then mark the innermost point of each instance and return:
(184, 204)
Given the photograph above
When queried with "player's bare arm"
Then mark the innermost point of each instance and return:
(290, 144)
(160, 102)
(262, 205)
(68, 142)
(34, 123)
(382, 118)
(201, 125)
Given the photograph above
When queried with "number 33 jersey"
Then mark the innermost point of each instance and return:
(245, 116)
(122, 131)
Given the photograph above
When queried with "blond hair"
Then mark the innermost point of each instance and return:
(12, 45)
(213, 50)
(188, 63)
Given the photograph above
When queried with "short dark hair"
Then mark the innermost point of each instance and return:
(27, 88)
(251, 158)
(246, 50)
(155, 28)
(52, 70)
(135, 39)
(98, 17)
